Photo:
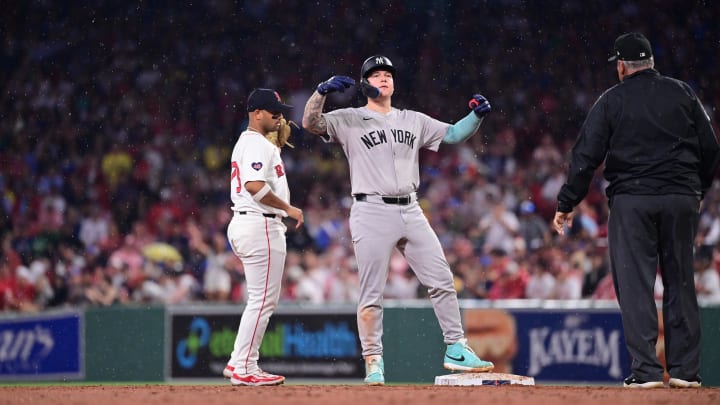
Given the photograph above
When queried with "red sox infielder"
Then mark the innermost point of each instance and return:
(382, 145)
(260, 196)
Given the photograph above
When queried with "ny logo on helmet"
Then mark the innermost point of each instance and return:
(380, 60)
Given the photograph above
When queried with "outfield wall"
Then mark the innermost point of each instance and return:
(556, 342)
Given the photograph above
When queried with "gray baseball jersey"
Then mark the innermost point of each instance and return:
(383, 150)
(383, 153)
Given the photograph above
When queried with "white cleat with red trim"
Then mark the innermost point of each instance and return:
(257, 378)
(228, 371)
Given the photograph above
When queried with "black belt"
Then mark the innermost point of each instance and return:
(263, 214)
(402, 200)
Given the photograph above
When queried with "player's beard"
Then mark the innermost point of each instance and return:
(271, 126)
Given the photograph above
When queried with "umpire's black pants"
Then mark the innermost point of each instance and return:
(645, 232)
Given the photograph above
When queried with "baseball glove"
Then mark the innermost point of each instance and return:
(281, 136)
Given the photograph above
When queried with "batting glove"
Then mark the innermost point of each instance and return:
(335, 83)
(480, 105)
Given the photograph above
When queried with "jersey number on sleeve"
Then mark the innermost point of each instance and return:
(236, 174)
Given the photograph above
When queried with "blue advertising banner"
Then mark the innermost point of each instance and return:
(317, 345)
(43, 347)
(571, 346)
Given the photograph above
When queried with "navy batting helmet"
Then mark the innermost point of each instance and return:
(374, 63)
(370, 65)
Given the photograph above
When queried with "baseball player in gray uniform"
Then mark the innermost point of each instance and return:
(382, 145)
(261, 197)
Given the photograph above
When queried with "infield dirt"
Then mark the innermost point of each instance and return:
(353, 394)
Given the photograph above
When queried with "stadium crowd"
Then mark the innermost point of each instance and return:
(116, 123)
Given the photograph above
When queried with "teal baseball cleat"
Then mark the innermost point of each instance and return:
(375, 371)
(460, 357)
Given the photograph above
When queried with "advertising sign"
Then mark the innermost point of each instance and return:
(551, 345)
(306, 345)
(43, 347)
(568, 345)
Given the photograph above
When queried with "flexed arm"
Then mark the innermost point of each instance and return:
(313, 120)
(467, 126)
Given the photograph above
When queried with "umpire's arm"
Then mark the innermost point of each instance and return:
(587, 154)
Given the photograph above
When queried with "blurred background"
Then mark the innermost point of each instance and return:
(117, 120)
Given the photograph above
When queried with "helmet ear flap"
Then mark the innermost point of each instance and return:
(367, 89)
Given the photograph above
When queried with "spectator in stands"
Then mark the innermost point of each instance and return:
(172, 284)
(499, 226)
(599, 268)
(218, 256)
(548, 192)
(292, 276)
(8, 286)
(35, 278)
(709, 225)
(401, 284)
(605, 289)
(531, 227)
(472, 281)
(344, 282)
(170, 121)
(541, 283)
(511, 282)
(707, 279)
(312, 286)
(116, 164)
(100, 291)
(128, 258)
(568, 277)
(546, 156)
(585, 224)
(94, 229)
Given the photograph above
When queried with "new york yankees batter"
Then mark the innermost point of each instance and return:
(260, 196)
(382, 145)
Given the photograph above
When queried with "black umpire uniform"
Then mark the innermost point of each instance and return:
(661, 155)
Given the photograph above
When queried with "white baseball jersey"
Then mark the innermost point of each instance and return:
(259, 242)
(254, 158)
(383, 149)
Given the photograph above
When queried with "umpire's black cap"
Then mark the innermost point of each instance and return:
(631, 46)
(268, 100)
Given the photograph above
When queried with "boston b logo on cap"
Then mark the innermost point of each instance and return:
(632, 46)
